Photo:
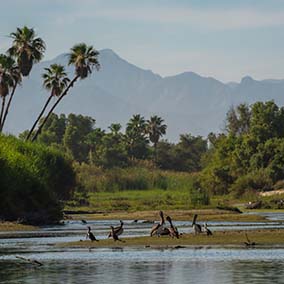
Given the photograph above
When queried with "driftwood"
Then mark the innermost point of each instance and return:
(32, 261)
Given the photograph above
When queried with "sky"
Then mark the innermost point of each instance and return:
(224, 39)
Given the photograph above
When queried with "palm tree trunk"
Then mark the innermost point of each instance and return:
(39, 117)
(2, 109)
(155, 152)
(8, 107)
(54, 106)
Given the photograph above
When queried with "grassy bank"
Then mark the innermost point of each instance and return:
(236, 238)
(12, 226)
(135, 188)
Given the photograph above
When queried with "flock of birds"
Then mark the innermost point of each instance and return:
(158, 229)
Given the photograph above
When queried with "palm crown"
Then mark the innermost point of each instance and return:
(27, 49)
(84, 58)
(156, 128)
(55, 79)
(9, 74)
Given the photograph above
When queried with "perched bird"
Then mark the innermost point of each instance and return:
(172, 229)
(90, 235)
(114, 235)
(196, 227)
(206, 230)
(159, 229)
(248, 243)
(118, 230)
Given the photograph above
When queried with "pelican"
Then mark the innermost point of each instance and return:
(118, 230)
(196, 227)
(173, 230)
(158, 229)
(90, 235)
(249, 243)
(206, 230)
(114, 235)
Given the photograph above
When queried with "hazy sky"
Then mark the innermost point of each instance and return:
(226, 39)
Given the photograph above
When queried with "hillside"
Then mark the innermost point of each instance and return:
(188, 102)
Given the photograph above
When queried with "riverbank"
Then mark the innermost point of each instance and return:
(12, 226)
(204, 215)
(263, 237)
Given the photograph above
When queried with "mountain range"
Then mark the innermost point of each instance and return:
(188, 102)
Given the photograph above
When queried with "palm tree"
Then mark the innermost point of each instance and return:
(84, 58)
(55, 80)
(137, 124)
(9, 78)
(115, 128)
(135, 136)
(155, 130)
(27, 49)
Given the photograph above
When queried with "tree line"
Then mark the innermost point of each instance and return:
(82, 141)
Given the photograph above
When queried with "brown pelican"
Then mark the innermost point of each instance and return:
(118, 230)
(196, 227)
(172, 229)
(114, 235)
(158, 229)
(249, 243)
(90, 235)
(206, 230)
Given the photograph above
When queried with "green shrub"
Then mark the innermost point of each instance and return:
(34, 180)
(255, 181)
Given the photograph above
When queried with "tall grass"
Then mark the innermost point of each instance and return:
(137, 188)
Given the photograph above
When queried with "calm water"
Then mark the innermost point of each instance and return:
(132, 265)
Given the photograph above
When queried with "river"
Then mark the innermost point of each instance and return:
(135, 265)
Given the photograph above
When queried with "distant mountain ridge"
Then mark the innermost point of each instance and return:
(188, 102)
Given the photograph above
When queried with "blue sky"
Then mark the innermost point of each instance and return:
(225, 39)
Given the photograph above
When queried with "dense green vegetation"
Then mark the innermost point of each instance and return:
(34, 180)
(136, 188)
(250, 156)
(245, 159)
(78, 136)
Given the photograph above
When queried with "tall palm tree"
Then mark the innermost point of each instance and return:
(84, 58)
(135, 136)
(137, 124)
(156, 129)
(9, 78)
(27, 49)
(55, 80)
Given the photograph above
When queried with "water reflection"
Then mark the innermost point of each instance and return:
(171, 271)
